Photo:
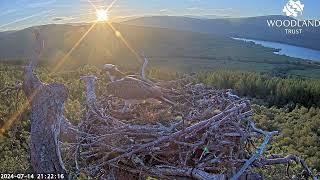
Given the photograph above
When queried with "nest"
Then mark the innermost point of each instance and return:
(208, 135)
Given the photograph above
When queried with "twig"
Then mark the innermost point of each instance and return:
(177, 134)
(188, 172)
(284, 160)
(259, 151)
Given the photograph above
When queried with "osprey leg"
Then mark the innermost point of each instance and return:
(126, 107)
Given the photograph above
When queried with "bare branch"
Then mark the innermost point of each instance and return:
(259, 151)
(187, 172)
(276, 159)
(90, 90)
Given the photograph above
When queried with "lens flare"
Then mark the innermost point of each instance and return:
(102, 15)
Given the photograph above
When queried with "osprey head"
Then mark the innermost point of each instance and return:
(113, 71)
(109, 66)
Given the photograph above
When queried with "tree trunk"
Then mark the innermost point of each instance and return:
(47, 107)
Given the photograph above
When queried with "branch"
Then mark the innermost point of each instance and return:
(272, 160)
(143, 74)
(177, 134)
(90, 90)
(187, 172)
(267, 138)
(69, 133)
(139, 145)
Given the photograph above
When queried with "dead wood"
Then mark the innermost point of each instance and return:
(204, 137)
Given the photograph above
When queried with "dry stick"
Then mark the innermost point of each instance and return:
(143, 74)
(169, 138)
(283, 160)
(191, 172)
(268, 136)
(132, 149)
(177, 134)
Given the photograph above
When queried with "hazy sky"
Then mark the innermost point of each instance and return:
(17, 14)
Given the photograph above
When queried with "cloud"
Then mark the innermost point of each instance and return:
(195, 9)
(93, 1)
(164, 11)
(210, 10)
(41, 4)
(63, 18)
(222, 9)
(58, 19)
(125, 18)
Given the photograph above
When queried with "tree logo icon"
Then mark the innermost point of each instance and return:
(293, 8)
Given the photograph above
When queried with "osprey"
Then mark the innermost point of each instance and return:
(131, 90)
(115, 74)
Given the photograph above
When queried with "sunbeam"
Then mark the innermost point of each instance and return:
(120, 36)
(60, 62)
(25, 18)
(37, 21)
(111, 5)
(15, 116)
(94, 6)
(25, 105)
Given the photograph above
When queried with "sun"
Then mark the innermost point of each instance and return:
(102, 15)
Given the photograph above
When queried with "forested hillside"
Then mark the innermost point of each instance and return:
(179, 50)
(267, 89)
(296, 118)
(289, 105)
(246, 27)
(300, 132)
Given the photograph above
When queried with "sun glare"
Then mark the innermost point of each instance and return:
(102, 15)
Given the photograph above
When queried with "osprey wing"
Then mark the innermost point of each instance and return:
(131, 88)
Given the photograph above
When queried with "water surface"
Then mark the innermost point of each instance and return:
(289, 50)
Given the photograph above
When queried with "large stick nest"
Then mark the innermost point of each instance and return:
(208, 135)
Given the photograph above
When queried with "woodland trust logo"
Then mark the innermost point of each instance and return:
(293, 9)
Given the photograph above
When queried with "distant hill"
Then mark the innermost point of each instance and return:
(249, 27)
(170, 49)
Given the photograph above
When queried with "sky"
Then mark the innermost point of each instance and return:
(19, 14)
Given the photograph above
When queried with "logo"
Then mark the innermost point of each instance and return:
(290, 25)
(293, 8)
